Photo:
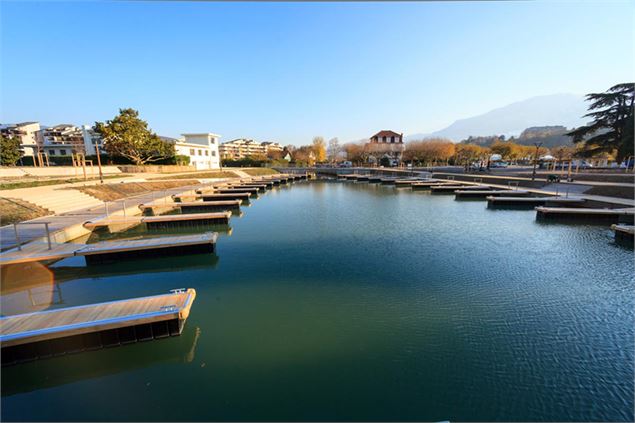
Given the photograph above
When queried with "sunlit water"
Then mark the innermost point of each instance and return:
(346, 301)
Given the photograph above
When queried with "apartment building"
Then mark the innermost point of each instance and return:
(26, 132)
(244, 147)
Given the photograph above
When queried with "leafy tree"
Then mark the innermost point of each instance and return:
(612, 126)
(319, 149)
(9, 150)
(128, 136)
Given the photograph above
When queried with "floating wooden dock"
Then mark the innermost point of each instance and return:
(624, 234)
(206, 206)
(407, 182)
(107, 251)
(388, 181)
(50, 333)
(162, 220)
(252, 191)
(211, 197)
(531, 201)
(474, 193)
(586, 214)
(446, 188)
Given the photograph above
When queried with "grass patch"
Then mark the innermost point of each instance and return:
(13, 210)
(202, 175)
(111, 192)
(11, 184)
(260, 171)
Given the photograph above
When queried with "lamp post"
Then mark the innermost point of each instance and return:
(533, 174)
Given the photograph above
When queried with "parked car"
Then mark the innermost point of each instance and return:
(346, 164)
(498, 164)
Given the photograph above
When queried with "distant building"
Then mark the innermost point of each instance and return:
(202, 149)
(67, 139)
(243, 147)
(26, 132)
(385, 143)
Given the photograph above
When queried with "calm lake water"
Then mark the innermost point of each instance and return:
(348, 301)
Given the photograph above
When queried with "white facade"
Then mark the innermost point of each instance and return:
(27, 133)
(64, 140)
(202, 149)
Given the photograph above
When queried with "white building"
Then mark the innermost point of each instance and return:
(202, 149)
(26, 132)
(243, 147)
(66, 139)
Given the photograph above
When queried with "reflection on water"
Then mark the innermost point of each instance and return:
(350, 301)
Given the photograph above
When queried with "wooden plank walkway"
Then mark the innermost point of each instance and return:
(181, 244)
(124, 220)
(460, 193)
(623, 215)
(226, 204)
(237, 196)
(532, 201)
(450, 188)
(50, 324)
(56, 332)
(625, 229)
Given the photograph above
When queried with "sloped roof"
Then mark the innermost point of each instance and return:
(386, 133)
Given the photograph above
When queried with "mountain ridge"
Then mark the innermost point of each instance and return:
(547, 110)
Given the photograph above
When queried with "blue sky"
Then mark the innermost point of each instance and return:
(290, 71)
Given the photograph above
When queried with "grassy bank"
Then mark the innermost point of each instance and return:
(202, 175)
(111, 192)
(13, 210)
(16, 183)
(259, 171)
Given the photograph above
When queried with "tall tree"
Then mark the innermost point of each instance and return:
(319, 149)
(334, 149)
(9, 150)
(128, 136)
(611, 129)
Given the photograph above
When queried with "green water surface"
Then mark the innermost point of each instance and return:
(348, 301)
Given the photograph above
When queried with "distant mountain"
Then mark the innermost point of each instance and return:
(557, 109)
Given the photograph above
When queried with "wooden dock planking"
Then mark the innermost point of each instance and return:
(251, 191)
(39, 252)
(121, 249)
(212, 197)
(48, 333)
(460, 193)
(450, 188)
(531, 201)
(121, 220)
(586, 214)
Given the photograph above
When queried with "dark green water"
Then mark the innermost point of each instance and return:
(344, 301)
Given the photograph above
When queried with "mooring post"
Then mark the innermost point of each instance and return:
(48, 235)
(17, 238)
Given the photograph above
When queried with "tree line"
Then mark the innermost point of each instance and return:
(608, 134)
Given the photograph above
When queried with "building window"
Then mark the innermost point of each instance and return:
(213, 153)
(192, 152)
(383, 139)
(52, 152)
(207, 152)
(193, 163)
(392, 139)
(200, 152)
(62, 152)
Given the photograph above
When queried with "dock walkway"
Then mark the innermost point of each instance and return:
(110, 250)
(47, 333)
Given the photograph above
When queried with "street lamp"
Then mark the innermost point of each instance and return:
(533, 174)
